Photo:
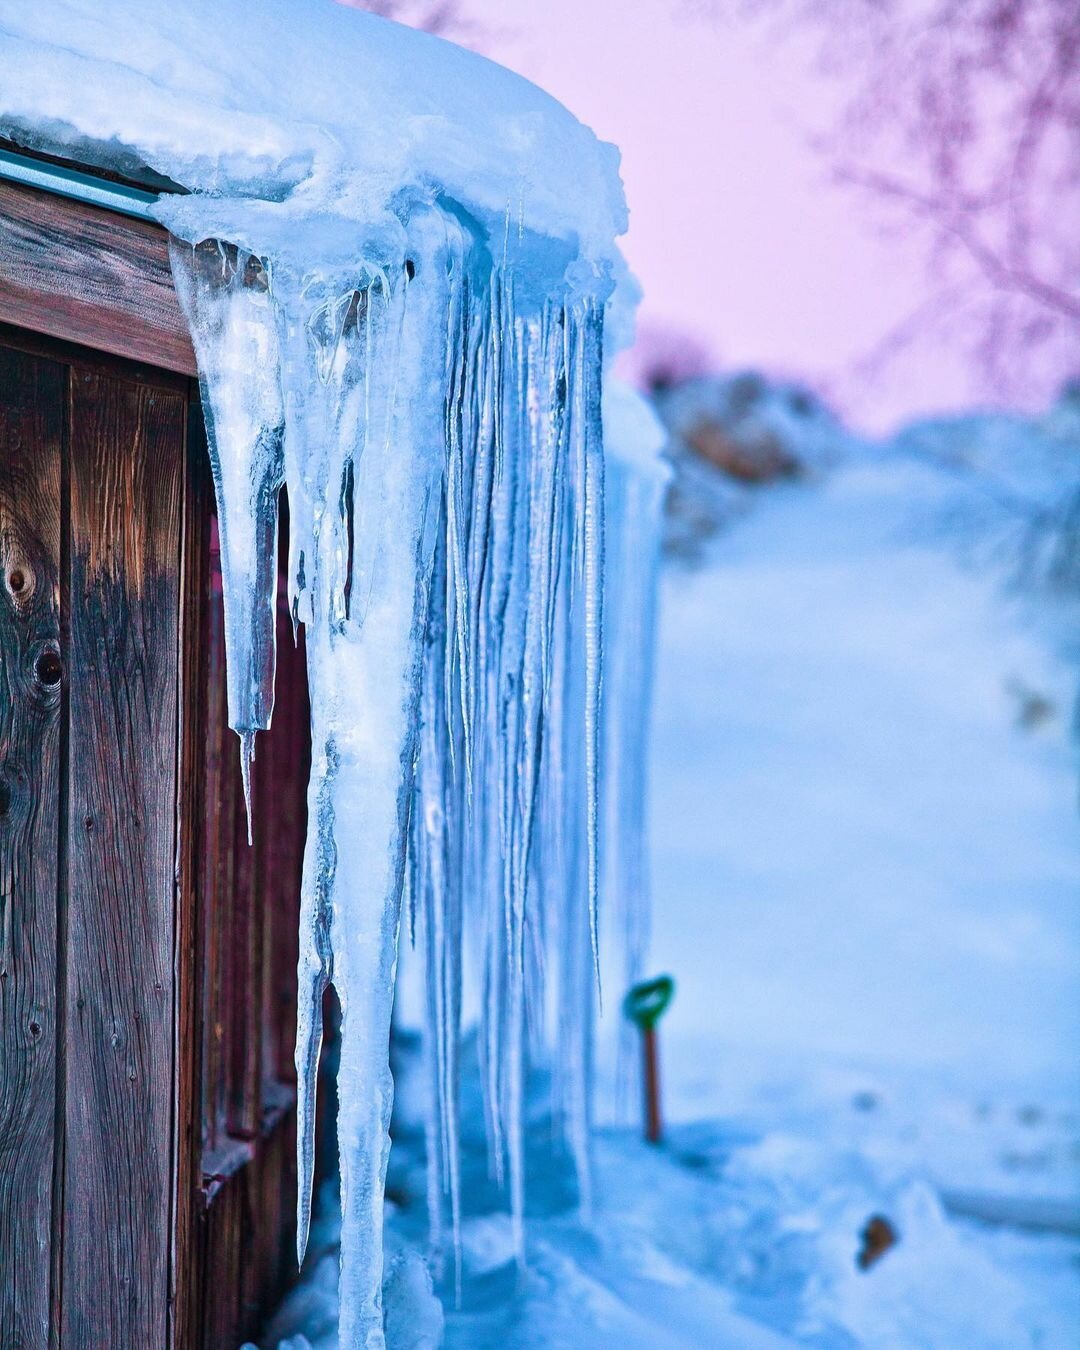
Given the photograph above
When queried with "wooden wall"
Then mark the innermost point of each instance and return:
(147, 955)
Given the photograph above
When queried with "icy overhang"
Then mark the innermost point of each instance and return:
(306, 102)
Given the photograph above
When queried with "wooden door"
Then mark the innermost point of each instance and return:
(147, 955)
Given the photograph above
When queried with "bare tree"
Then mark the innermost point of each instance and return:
(664, 355)
(443, 17)
(964, 117)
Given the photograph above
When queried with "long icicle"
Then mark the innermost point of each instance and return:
(438, 431)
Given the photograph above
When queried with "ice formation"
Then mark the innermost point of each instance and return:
(397, 262)
(439, 438)
(635, 489)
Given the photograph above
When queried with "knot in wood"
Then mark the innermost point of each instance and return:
(19, 580)
(12, 791)
(48, 668)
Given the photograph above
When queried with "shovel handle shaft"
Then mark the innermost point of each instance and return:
(651, 1076)
(644, 1005)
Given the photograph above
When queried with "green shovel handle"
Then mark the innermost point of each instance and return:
(646, 1002)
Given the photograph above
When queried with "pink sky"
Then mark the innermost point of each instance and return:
(735, 233)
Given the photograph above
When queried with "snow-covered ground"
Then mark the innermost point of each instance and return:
(866, 882)
(850, 815)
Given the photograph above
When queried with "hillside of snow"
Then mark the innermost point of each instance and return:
(865, 784)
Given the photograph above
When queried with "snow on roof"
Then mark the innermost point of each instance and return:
(306, 101)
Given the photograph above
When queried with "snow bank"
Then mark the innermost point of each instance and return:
(743, 1231)
(731, 436)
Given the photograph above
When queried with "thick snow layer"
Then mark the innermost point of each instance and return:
(741, 1233)
(331, 107)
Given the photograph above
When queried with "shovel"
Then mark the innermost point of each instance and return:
(644, 1005)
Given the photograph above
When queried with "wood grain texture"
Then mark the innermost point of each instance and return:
(147, 956)
(127, 470)
(290, 765)
(246, 972)
(31, 433)
(88, 275)
(220, 809)
(191, 843)
(86, 358)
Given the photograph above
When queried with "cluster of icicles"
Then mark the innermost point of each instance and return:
(439, 439)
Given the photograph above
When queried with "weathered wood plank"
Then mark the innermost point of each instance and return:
(31, 433)
(291, 763)
(127, 456)
(178, 1021)
(103, 363)
(219, 809)
(190, 913)
(249, 1170)
(87, 275)
(277, 1203)
(244, 1103)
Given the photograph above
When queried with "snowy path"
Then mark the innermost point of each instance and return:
(857, 851)
(867, 881)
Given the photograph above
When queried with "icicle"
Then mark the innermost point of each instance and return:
(507, 672)
(594, 619)
(224, 295)
(635, 485)
(247, 758)
(435, 418)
